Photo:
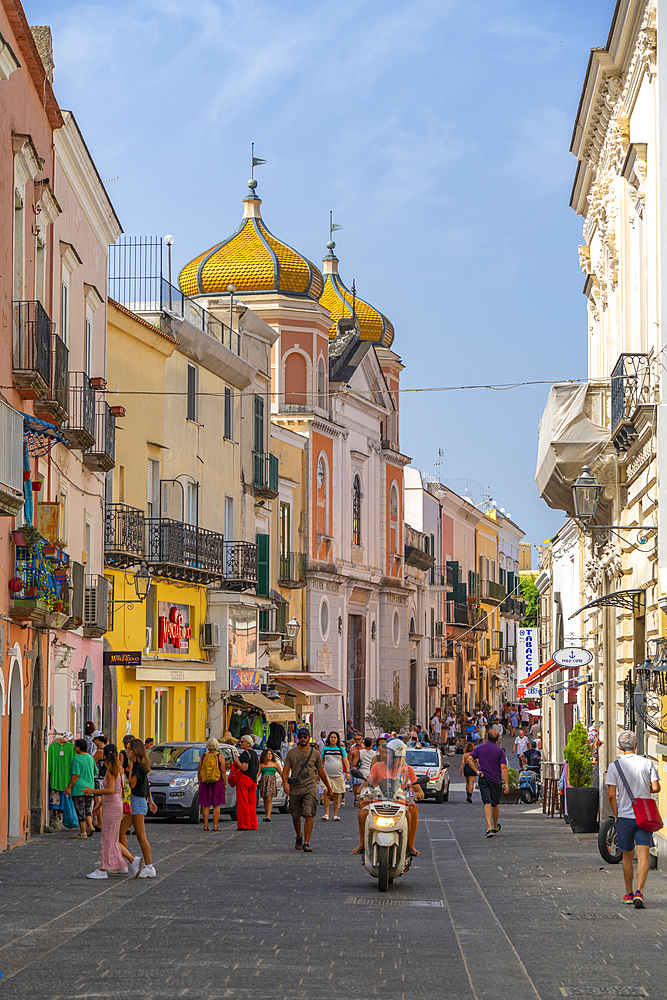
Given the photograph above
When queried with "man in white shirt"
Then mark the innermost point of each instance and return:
(521, 743)
(436, 728)
(641, 776)
(525, 715)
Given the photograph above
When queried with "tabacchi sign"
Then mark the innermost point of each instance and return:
(174, 632)
(527, 654)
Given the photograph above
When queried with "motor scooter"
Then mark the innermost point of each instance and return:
(386, 833)
(530, 787)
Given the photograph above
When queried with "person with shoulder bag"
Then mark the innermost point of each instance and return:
(212, 782)
(631, 781)
(245, 768)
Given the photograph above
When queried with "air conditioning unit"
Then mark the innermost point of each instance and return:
(211, 636)
(149, 640)
(440, 628)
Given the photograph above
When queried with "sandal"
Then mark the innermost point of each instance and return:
(307, 849)
(207, 828)
(299, 844)
(216, 829)
(413, 852)
(336, 819)
(358, 850)
(80, 836)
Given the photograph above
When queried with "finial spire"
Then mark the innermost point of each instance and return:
(254, 162)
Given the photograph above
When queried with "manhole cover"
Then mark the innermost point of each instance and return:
(596, 916)
(371, 900)
(603, 991)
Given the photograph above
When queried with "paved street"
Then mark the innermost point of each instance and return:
(528, 914)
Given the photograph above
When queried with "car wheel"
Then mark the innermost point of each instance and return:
(445, 796)
(439, 797)
(193, 815)
(232, 815)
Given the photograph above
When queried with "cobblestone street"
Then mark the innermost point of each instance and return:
(533, 912)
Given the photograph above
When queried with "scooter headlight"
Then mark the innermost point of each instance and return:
(385, 821)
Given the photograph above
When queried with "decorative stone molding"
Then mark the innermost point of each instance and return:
(606, 563)
(374, 447)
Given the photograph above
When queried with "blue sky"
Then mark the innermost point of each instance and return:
(437, 131)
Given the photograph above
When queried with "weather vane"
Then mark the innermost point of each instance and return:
(255, 160)
(332, 228)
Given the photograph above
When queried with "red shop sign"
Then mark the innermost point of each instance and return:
(173, 631)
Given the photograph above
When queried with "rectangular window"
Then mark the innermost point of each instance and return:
(88, 540)
(142, 715)
(64, 311)
(192, 503)
(88, 347)
(186, 714)
(19, 223)
(153, 488)
(262, 565)
(229, 518)
(229, 414)
(189, 708)
(259, 425)
(193, 379)
(285, 530)
(161, 715)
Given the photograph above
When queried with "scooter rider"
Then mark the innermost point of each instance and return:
(392, 766)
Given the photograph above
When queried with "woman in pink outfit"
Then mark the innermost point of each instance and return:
(114, 856)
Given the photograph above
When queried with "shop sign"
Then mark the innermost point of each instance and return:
(174, 630)
(432, 676)
(244, 680)
(572, 657)
(121, 658)
(527, 657)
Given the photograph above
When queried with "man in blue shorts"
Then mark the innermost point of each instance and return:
(489, 760)
(631, 777)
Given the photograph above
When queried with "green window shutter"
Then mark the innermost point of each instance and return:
(462, 592)
(259, 424)
(262, 565)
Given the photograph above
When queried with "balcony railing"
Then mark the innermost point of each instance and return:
(36, 588)
(491, 592)
(631, 386)
(80, 427)
(457, 614)
(101, 456)
(32, 350)
(441, 576)
(440, 648)
(265, 475)
(508, 654)
(124, 534)
(512, 607)
(292, 572)
(240, 565)
(484, 648)
(273, 621)
(53, 406)
(184, 551)
(496, 641)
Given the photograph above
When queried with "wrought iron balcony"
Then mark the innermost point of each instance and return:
(440, 648)
(265, 475)
(101, 456)
(273, 621)
(124, 534)
(441, 576)
(484, 648)
(240, 564)
(54, 405)
(508, 654)
(37, 585)
(496, 641)
(185, 551)
(33, 329)
(491, 592)
(512, 607)
(631, 386)
(292, 571)
(457, 614)
(80, 427)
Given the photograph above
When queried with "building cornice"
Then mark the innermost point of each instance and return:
(78, 165)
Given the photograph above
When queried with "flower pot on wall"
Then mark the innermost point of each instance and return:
(582, 808)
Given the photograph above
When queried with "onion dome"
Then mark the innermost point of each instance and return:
(253, 260)
(340, 302)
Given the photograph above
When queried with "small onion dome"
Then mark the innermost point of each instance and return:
(253, 260)
(339, 300)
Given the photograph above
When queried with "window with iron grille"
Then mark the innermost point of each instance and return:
(192, 392)
(356, 511)
(229, 414)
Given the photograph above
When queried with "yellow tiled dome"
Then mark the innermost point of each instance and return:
(253, 260)
(338, 300)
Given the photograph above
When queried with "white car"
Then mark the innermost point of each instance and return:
(429, 763)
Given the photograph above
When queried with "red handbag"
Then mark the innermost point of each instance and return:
(646, 811)
(234, 775)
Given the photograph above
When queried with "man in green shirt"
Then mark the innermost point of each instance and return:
(82, 770)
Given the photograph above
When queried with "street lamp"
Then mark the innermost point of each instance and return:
(142, 584)
(289, 642)
(586, 493)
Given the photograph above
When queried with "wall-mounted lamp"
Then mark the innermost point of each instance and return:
(142, 584)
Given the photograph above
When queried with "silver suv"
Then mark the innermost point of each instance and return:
(173, 779)
(433, 770)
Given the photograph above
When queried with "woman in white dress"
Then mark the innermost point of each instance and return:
(335, 763)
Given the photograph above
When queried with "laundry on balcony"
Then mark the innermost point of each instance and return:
(571, 435)
(41, 435)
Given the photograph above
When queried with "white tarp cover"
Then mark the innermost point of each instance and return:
(567, 439)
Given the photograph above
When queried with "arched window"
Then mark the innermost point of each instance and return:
(321, 385)
(357, 496)
(296, 380)
(322, 497)
(393, 518)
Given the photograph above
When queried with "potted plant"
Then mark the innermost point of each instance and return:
(513, 781)
(27, 536)
(37, 483)
(581, 795)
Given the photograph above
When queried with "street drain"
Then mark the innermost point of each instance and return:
(370, 900)
(596, 916)
(603, 991)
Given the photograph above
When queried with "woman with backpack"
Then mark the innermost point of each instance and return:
(212, 782)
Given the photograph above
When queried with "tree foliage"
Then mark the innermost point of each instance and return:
(579, 758)
(531, 596)
(388, 718)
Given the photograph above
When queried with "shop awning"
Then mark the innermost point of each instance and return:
(274, 710)
(307, 685)
(630, 600)
(539, 675)
(175, 670)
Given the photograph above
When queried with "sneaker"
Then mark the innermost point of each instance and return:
(137, 865)
(117, 871)
(638, 901)
(496, 829)
(97, 874)
(489, 833)
(148, 871)
(629, 898)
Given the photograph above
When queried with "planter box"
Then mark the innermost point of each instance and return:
(29, 609)
(582, 808)
(511, 798)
